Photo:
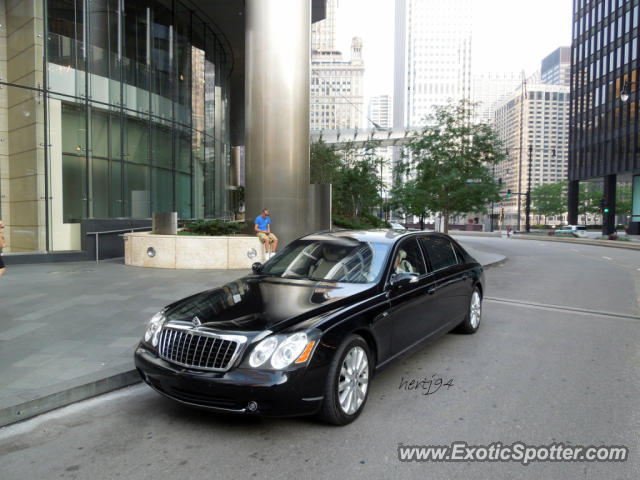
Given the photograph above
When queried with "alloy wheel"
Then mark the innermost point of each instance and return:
(475, 310)
(354, 380)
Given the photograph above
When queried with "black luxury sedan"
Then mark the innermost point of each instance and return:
(308, 330)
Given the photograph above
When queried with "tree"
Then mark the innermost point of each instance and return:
(353, 173)
(356, 185)
(589, 198)
(549, 199)
(325, 162)
(409, 199)
(451, 162)
(623, 201)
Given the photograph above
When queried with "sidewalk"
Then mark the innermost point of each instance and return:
(68, 330)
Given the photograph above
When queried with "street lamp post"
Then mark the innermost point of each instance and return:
(528, 207)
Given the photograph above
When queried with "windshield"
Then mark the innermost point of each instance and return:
(341, 260)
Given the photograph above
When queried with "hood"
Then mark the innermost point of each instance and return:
(256, 303)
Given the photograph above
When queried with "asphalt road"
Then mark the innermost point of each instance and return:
(556, 360)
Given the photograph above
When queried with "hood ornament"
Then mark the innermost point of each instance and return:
(196, 321)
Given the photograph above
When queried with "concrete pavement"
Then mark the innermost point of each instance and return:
(68, 330)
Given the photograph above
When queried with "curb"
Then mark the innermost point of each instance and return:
(581, 241)
(32, 408)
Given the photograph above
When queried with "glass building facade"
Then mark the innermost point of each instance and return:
(604, 129)
(605, 55)
(108, 109)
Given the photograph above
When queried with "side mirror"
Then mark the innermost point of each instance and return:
(256, 267)
(399, 280)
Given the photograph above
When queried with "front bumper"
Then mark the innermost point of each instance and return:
(273, 393)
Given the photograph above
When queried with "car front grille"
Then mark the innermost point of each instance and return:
(195, 349)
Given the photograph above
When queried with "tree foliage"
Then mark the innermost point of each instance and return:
(354, 174)
(449, 168)
(623, 200)
(549, 199)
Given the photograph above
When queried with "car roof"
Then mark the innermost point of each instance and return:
(375, 235)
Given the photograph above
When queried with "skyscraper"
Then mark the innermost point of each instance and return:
(379, 110)
(605, 130)
(432, 57)
(532, 124)
(337, 100)
(556, 67)
(491, 89)
(379, 114)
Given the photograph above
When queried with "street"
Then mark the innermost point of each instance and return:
(555, 360)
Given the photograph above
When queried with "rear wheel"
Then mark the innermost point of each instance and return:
(471, 322)
(347, 386)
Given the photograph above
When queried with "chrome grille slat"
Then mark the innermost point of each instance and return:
(213, 344)
(221, 359)
(204, 349)
(196, 349)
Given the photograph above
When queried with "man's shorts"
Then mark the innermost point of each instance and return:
(263, 237)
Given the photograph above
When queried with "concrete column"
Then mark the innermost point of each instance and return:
(573, 195)
(609, 219)
(22, 125)
(277, 76)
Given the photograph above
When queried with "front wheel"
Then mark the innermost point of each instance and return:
(471, 322)
(347, 385)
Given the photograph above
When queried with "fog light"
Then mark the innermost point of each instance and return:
(252, 406)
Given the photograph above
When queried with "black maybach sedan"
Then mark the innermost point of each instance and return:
(307, 331)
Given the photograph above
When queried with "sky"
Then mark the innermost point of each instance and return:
(508, 36)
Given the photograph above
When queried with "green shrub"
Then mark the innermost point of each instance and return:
(211, 227)
(364, 222)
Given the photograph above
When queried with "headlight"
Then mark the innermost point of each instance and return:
(263, 351)
(289, 350)
(153, 329)
(283, 350)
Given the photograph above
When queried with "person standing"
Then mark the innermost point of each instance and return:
(2, 245)
(263, 227)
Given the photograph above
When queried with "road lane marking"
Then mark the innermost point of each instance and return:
(607, 258)
(561, 308)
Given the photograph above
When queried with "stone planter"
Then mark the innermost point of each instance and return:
(144, 249)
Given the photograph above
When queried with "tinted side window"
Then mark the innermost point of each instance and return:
(463, 255)
(440, 252)
(408, 258)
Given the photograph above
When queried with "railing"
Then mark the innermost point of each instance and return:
(97, 234)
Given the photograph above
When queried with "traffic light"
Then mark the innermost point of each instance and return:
(603, 207)
(509, 193)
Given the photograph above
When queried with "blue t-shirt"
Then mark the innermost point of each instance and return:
(262, 222)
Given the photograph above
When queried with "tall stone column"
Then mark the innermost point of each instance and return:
(277, 76)
(609, 219)
(22, 170)
(573, 197)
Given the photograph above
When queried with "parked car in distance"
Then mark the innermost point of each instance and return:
(579, 231)
(306, 332)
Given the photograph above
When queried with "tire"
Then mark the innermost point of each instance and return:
(471, 321)
(354, 351)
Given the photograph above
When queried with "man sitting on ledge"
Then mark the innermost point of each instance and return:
(263, 227)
